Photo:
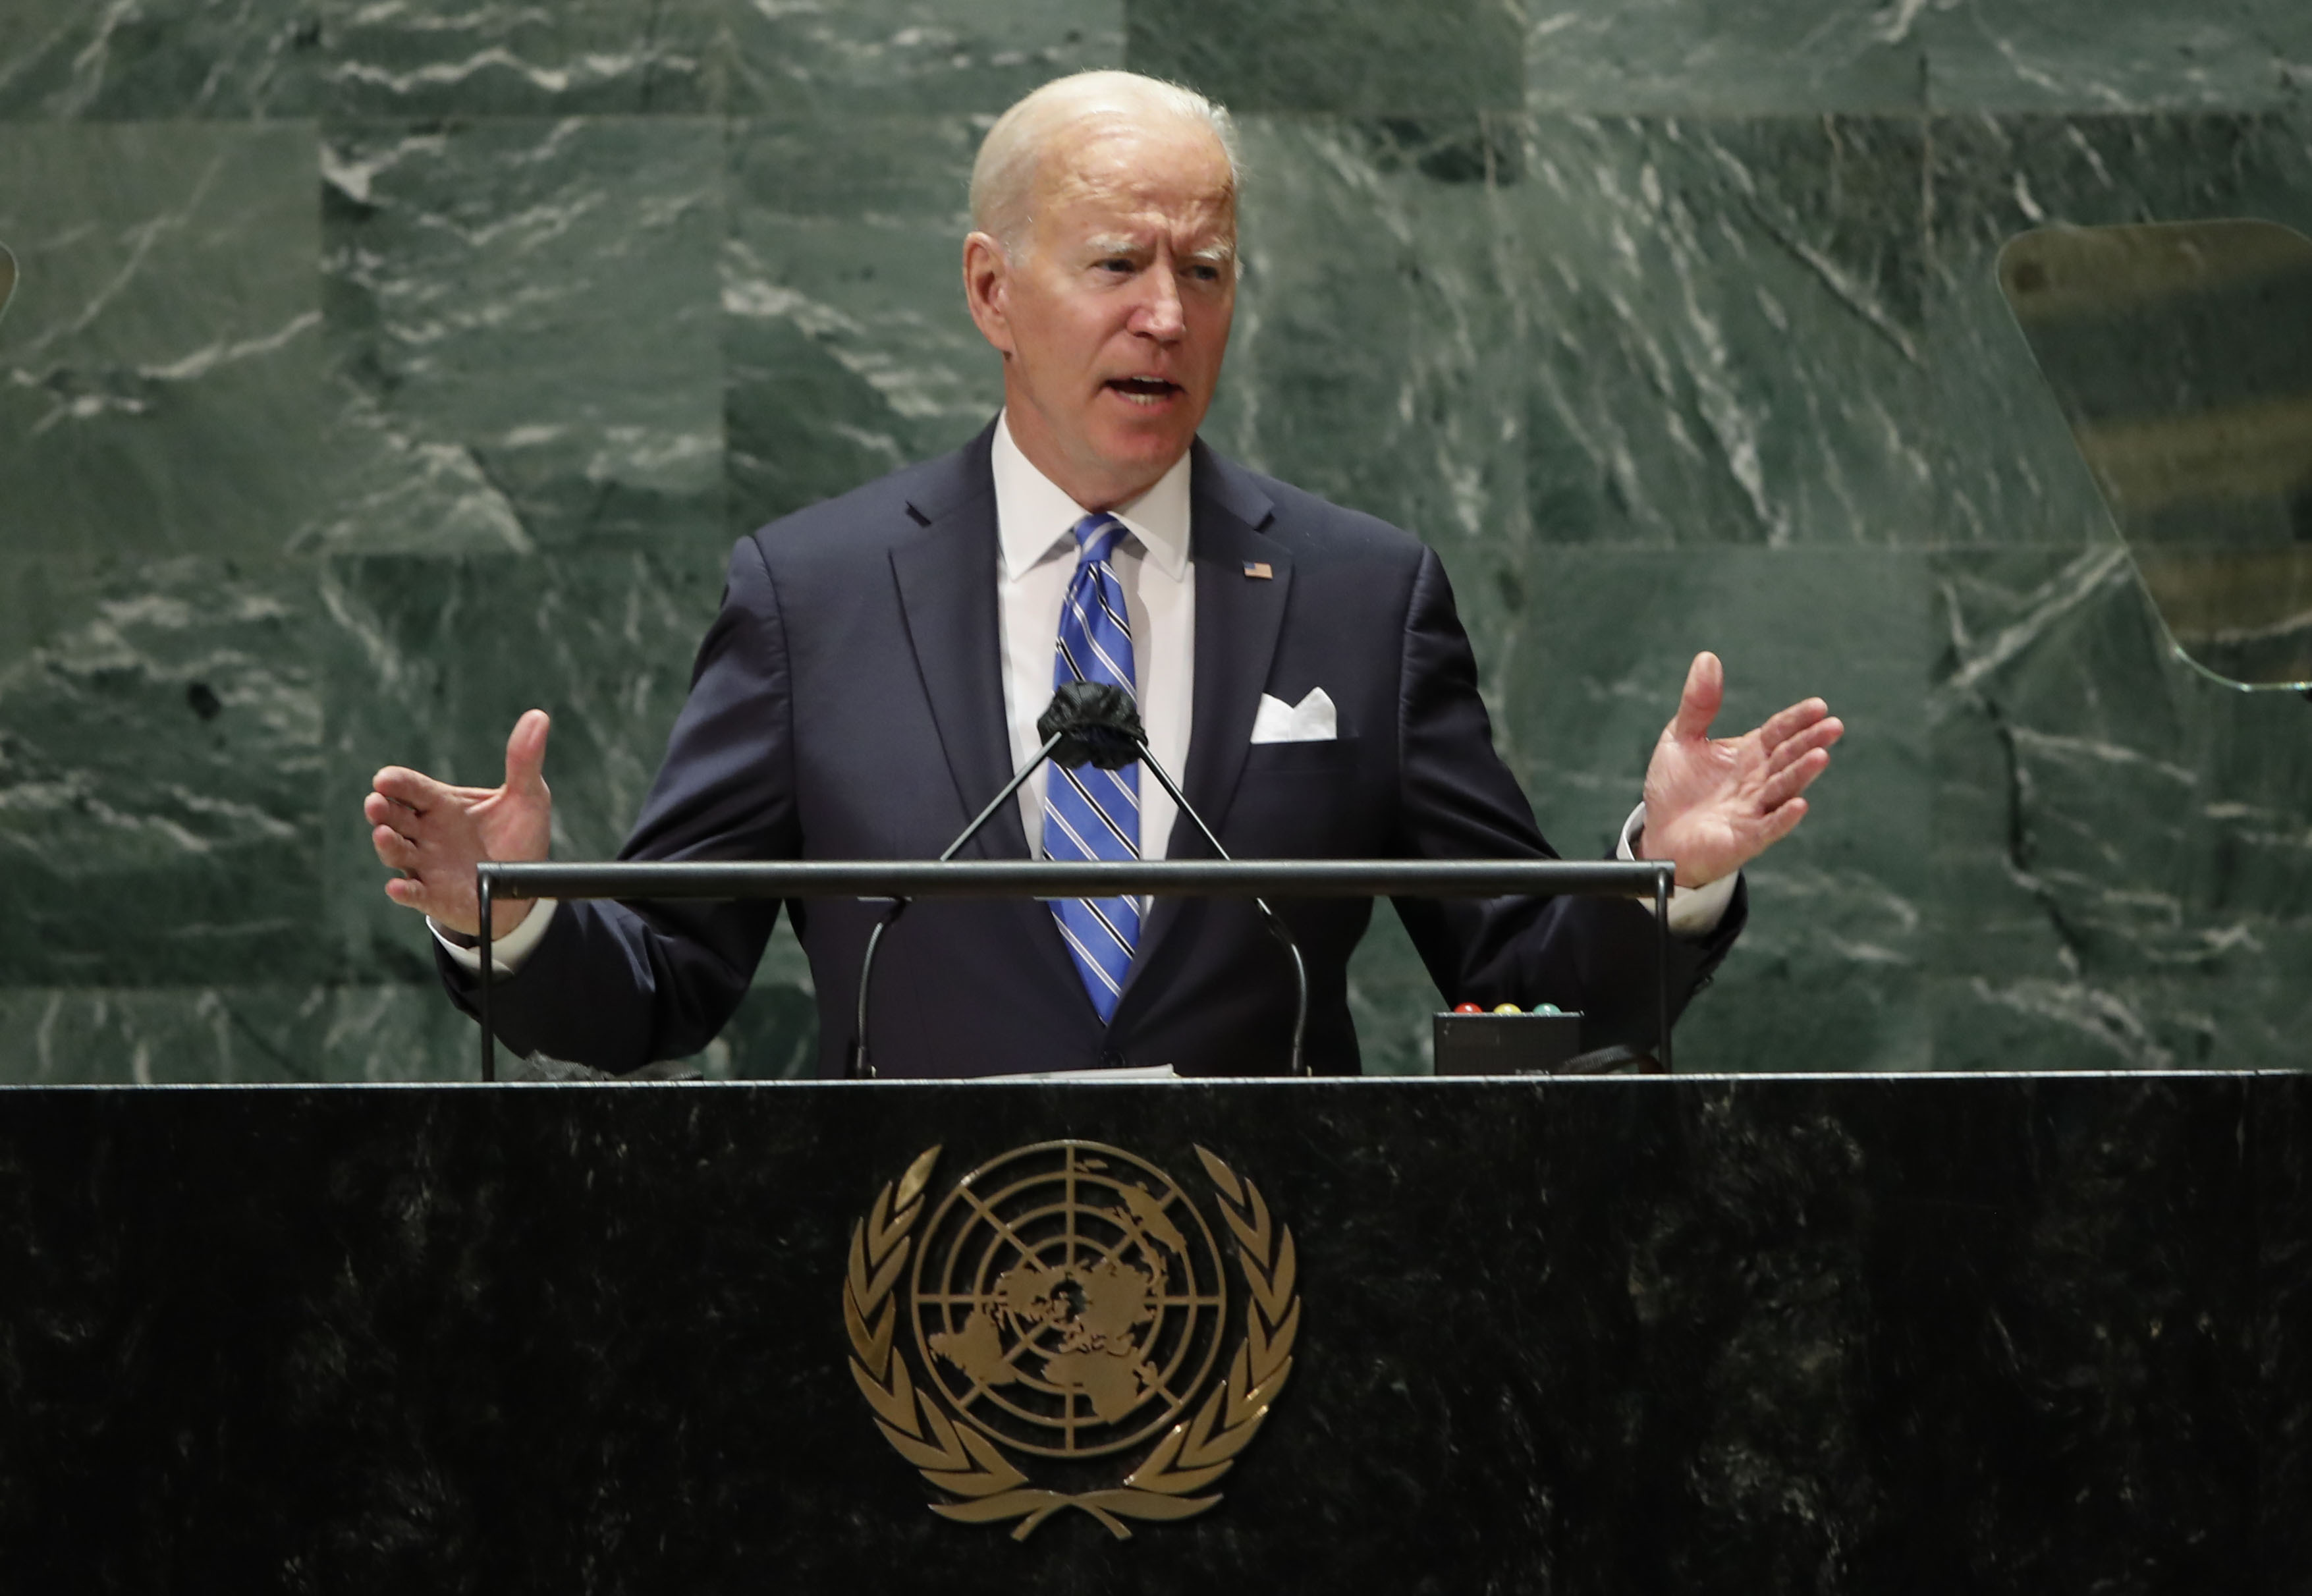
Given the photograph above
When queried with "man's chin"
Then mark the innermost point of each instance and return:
(1155, 440)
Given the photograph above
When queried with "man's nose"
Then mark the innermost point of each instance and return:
(1160, 314)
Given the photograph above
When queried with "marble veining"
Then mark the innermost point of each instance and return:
(1820, 1335)
(461, 340)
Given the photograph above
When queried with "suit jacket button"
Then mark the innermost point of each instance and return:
(1110, 1059)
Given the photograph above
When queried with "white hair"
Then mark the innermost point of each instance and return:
(1012, 156)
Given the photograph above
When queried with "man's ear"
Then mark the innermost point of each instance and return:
(986, 289)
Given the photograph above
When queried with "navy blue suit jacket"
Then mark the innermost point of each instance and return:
(847, 703)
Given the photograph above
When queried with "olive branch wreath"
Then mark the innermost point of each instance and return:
(960, 1461)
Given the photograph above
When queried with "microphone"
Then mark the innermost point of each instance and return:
(1096, 723)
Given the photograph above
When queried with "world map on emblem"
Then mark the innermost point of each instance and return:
(1069, 1299)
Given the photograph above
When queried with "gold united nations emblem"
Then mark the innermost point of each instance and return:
(1047, 1337)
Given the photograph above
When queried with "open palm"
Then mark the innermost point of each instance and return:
(1714, 805)
(435, 834)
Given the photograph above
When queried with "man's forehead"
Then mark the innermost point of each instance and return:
(1175, 167)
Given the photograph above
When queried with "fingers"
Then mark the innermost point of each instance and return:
(1780, 824)
(1791, 722)
(1787, 785)
(413, 790)
(394, 851)
(1815, 738)
(381, 810)
(526, 753)
(1705, 692)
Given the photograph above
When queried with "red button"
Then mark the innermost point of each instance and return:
(1468, 1008)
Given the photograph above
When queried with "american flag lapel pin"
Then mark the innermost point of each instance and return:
(1258, 570)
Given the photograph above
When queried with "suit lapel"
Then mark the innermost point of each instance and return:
(1237, 620)
(946, 578)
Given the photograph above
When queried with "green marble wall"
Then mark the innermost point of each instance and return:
(380, 370)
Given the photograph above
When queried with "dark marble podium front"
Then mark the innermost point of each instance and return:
(1940, 1334)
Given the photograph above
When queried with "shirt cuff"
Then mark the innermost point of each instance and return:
(1693, 911)
(509, 953)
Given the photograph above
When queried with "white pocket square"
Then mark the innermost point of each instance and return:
(1312, 720)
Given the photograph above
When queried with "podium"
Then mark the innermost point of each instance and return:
(1766, 1334)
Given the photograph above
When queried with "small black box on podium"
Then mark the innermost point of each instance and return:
(1505, 1044)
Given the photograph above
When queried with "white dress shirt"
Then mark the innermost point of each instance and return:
(1035, 522)
(1037, 559)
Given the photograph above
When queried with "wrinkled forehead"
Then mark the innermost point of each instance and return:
(1166, 165)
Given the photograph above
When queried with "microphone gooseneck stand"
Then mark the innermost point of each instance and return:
(861, 1067)
(1086, 723)
(1276, 926)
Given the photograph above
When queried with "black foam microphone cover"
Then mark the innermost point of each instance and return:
(1096, 722)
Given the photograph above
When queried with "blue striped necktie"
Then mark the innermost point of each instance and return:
(1090, 813)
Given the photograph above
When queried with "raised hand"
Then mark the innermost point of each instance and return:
(1715, 804)
(434, 834)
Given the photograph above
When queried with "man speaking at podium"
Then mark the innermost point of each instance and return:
(880, 660)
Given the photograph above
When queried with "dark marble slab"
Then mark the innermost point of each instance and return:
(162, 60)
(230, 1034)
(1877, 1335)
(2120, 851)
(1728, 330)
(160, 375)
(2283, 1338)
(848, 351)
(881, 56)
(503, 58)
(1334, 55)
(2066, 55)
(160, 741)
(1693, 57)
(523, 317)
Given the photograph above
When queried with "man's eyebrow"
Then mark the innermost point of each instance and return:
(1118, 243)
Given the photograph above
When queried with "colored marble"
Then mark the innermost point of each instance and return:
(154, 1035)
(1669, 327)
(849, 352)
(407, 58)
(158, 749)
(814, 59)
(159, 364)
(1689, 57)
(1728, 331)
(524, 316)
(1334, 55)
(2119, 842)
(2230, 55)
(161, 59)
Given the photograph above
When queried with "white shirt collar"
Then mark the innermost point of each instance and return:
(1034, 518)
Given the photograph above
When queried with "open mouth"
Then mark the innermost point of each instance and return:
(1144, 390)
